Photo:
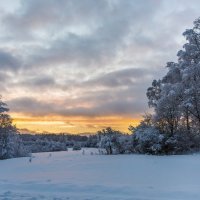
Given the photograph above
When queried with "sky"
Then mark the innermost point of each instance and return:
(78, 66)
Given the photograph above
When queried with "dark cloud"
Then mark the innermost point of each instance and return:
(42, 81)
(33, 15)
(29, 105)
(120, 78)
(4, 77)
(9, 61)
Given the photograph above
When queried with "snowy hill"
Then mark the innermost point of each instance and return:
(71, 175)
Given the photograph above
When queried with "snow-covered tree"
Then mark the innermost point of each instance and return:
(189, 63)
(111, 140)
(10, 143)
(176, 99)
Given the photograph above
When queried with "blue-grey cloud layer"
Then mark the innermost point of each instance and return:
(88, 58)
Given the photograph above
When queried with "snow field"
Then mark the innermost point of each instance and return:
(71, 175)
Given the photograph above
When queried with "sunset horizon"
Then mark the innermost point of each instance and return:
(79, 125)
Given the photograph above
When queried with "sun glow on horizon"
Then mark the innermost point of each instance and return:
(73, 125)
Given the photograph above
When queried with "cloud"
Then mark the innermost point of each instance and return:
(28, 105)
(42, 81)
(33, 15)
(9, 61)
(120, 78)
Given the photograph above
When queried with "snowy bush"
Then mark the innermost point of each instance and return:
(148, 140)
(114, 142)
(76, 147)
(11, 146)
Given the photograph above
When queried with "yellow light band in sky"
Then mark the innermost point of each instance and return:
(58, 124)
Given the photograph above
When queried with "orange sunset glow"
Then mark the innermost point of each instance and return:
(74, 125)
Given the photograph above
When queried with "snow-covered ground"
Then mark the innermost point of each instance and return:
(73, 176)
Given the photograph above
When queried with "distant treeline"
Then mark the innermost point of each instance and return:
(56, 142)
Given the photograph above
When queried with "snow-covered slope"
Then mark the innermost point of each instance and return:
(71, 175)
